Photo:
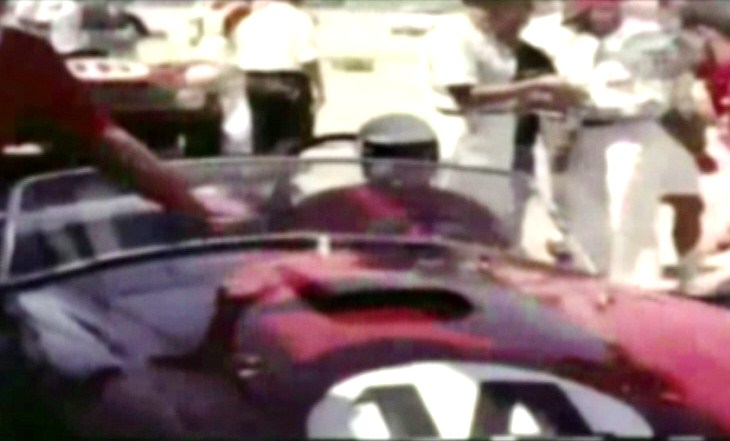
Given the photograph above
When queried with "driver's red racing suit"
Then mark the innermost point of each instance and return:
(409, 210)
(38, 93)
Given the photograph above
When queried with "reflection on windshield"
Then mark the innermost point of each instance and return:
(74, 217)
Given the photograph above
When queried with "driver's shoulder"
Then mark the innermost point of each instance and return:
(339, 195)
(438, 195)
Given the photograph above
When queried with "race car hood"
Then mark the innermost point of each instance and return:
(284, 327)
(344, 289)
(315, 320)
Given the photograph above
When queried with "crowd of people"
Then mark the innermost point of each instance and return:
(624, 130)
(625, 91)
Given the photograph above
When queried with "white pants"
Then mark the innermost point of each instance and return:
(611, 194)
(485, 142)
(450, 129)
(237, 121)
(238, 131)
(489, 142)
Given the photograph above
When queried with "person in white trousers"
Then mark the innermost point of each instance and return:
(623, 165)
(472, 66)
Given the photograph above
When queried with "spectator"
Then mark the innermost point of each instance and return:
(213, 22)
(472, 66)
(709, 24)
(623, 165)
(58, 21)
(40, 92)
(275, 45)
(546, 29)
(473, 71)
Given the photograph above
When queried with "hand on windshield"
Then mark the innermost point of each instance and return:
(223, 213)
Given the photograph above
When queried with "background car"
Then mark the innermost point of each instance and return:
(176, 108)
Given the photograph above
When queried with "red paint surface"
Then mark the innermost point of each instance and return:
(682, 340)
(671, 350)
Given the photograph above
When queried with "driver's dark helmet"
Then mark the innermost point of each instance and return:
(397, 136)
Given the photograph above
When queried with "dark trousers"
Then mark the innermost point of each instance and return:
(282, 111)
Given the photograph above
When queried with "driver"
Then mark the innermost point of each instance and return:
(39, 92)
(398, 197)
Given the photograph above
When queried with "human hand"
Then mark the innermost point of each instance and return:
(223, 213)
(553, 93)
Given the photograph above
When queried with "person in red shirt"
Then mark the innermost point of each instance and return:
(709, 23)
(38, 93)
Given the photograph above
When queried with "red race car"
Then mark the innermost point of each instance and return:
(121, 320)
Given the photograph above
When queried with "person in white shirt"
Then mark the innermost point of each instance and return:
(546, 30)
(623, 165)
(276, 47)
(471, 66)
(59, 21)
(212, 23)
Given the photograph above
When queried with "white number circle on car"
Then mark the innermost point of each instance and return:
(465, 400)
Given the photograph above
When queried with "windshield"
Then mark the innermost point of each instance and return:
(71, 218)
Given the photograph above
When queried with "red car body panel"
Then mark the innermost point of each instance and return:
(683, 341)
(661, 354)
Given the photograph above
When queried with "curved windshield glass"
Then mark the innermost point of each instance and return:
(71, 218)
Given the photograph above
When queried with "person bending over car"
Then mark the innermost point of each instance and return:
(401, 155)
(39, 94)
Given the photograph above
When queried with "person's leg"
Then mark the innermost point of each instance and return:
(525, 141)
(260, 101)
(295, 118)
(237, 124)
(632, 206)
(582, 196)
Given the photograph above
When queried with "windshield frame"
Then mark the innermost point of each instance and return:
(288, 165)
